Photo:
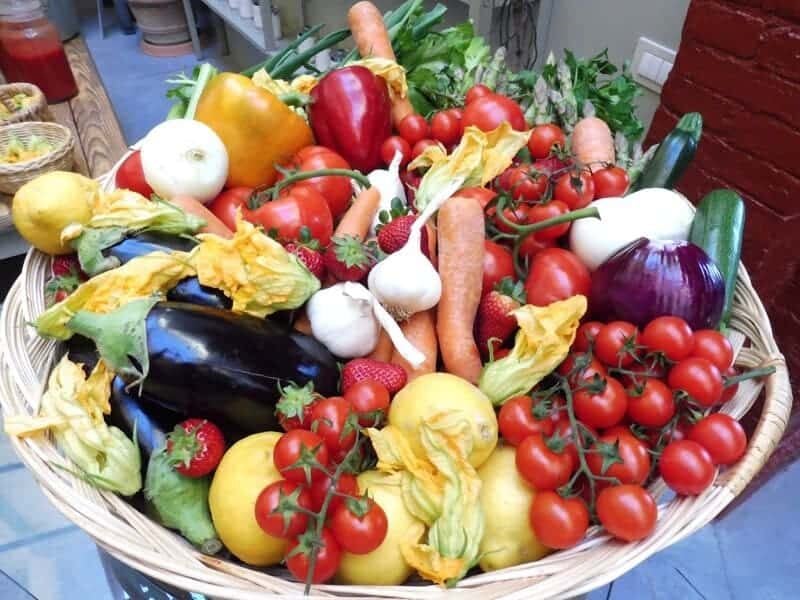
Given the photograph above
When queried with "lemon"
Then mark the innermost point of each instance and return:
(385, 565)
(45, 205)
(245, 470)
(508, 538)
(442, 392)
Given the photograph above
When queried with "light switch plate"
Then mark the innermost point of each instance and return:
(651, 64)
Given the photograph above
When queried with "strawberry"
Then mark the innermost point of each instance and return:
(393, 377)
(349, 259)
(67, 264)
(195, 447)
(494, 320)
(393, 235)
(294, 408)
(310, 257)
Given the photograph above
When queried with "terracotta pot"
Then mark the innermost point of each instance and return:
(162, 22)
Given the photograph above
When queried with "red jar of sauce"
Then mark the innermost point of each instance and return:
(31, 50)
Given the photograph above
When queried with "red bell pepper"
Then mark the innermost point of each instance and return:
(351, 113)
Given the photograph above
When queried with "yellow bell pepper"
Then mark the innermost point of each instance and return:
(257, 128)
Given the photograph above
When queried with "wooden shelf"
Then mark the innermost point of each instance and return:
(260, 38)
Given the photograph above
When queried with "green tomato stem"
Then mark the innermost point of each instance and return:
(295, 176)
(751, 374)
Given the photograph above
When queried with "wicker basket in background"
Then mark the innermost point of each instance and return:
(35, 111)
(60, 158)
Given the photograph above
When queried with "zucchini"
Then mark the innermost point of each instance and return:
(718, 228)
(673, 155)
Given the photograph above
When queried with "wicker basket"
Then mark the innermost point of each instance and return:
(147, 547)
(61, 158)
(35, 111)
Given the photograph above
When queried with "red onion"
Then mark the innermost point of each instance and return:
(648, 279)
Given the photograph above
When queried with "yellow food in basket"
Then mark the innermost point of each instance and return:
(245, 470)
(506, 499)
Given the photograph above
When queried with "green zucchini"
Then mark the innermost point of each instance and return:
(673, 155)
(718, 228)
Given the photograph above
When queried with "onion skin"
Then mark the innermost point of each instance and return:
(648, 279)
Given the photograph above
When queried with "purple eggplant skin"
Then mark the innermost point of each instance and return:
(227, 366)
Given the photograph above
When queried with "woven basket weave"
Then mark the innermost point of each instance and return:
(35, 111)
(147, 547)
(60, 158)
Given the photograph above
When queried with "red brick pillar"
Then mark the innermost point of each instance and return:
(739, 65)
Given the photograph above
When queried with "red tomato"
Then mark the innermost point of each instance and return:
(477, 91)
(516, 420)
(581, 367)
(531, 246)
(497, 264)
(335, 190)
(575, 190)
(391, 146)
(228, 203)
(329, 418)
(602, 408)
(610, 182)
(420, 147)
(544, 138)
(294, 445)
(517, 215)
(130, 175)
(329, 556)
(686, 467)
(616, 343)
(446, 127)
(651, 403)
(481, 194)
(698, 377)
(458, 114)
(523, 185)
(713, 346)
(410, 181)
(722, 436)
(359, 525)
(558, 522)
(370, 400)
(347, 485)
(488, 112)
(556, 274)
(671, 336)
(586, 335)
(628, 512)
(549, 210)
(543, 468)
(283, 521)
(299, 206)
(635, 465)
(413, 129)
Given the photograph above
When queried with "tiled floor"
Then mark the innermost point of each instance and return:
(751, 554)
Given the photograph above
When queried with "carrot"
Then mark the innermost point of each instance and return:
(432, 243)
(358, 218)
(196, 208)
(420, 330)
(461, 247)
(301, 323)
(592, 142)
(372, 40)
(384, 350)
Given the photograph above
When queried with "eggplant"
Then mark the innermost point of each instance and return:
(82, 350)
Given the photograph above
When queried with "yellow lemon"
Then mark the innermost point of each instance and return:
(44, 206)
(244, 471)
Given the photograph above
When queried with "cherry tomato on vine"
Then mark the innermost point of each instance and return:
(347, 485)
(713, 346)
(635, 465)
(729, 391)
(686, 467)
(516, 420)
(297, 445)
(517, 215)
(639, 373)
(650, 403)
(227, 204)
(329, 419)
(603, 408)
(413, 129)
(391, 146)
(359, 525)
(558, 522)
(722, 436)
(298, 206)
(531, 246)
(283, 522)
(579, 367)
(586, 335)
(477, 91)
(615, 343)
(481, 194)
(575, 190)
(420, 147)
(628, 512)
(335, 189)
(543, 468)
(698, 377)
(370, 400)
(671, 336)
(563, 429)
(544, 138)
(458, 113)
(548, 210)
(610, 182)
(488, 112)
(497, 264)
(446, 127)
(523, 184)
(556, 274)
(328, 557)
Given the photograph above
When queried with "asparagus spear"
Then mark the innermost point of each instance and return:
(569, 105)
(494, 67)
(540, 111)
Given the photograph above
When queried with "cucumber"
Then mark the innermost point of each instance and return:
(673, 155)
(718, 228)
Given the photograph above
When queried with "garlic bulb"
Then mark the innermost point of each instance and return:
(390, 187)
(343, 322)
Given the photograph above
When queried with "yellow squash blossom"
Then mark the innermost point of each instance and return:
(542, 343)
